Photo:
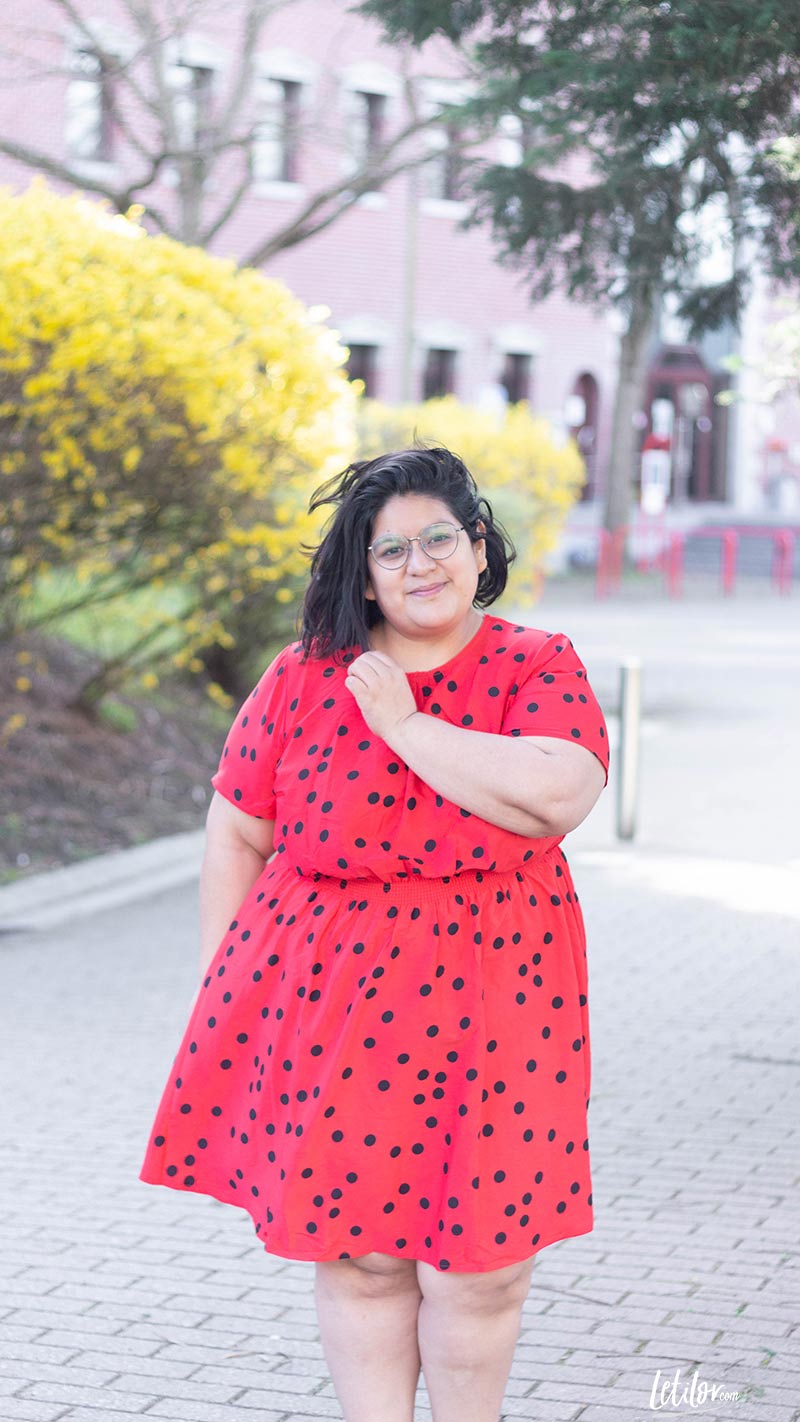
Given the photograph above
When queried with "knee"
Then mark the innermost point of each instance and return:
(369, 1275)
(488, 1292)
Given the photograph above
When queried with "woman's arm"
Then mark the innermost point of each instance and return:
(534, 785)
(237, 847)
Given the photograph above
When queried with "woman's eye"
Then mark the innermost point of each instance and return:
(390, 550)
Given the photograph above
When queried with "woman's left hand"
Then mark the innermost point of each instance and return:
(381, 690)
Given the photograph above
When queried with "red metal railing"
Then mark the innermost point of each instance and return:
(670, 557)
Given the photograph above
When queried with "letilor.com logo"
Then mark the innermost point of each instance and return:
(674, 1392)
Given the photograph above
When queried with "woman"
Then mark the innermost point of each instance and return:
(388, 1060)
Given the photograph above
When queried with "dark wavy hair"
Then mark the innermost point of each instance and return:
(336, 614)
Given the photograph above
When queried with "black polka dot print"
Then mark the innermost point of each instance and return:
(390, 1049)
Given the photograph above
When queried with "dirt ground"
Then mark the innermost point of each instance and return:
(73, 787)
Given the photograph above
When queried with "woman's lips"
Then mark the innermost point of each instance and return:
(427, 591)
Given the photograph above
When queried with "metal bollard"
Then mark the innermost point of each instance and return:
(630, 714)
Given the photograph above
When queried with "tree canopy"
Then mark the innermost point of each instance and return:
(164, 417)
(642, 127)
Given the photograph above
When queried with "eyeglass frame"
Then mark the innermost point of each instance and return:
(437, 523)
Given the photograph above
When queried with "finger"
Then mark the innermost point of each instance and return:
(382, 657)
(369, 672)
(373, 659)
(356, 684)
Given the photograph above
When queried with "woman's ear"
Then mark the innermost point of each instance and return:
(480, 546)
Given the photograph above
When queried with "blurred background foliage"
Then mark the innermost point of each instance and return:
(530, 480)
(164, 419)
(162, 416)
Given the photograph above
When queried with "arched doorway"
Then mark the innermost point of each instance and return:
(680, 405)
(582, 411)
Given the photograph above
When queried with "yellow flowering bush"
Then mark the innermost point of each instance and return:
(164, 416)
(530, 481)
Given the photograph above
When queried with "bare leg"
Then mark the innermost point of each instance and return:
(468, 1329)
(367, 1311)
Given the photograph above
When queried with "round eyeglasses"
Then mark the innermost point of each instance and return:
(438, 540)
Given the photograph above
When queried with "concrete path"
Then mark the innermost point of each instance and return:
(121, 1299)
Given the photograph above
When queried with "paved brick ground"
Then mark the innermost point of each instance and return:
(121, 1300)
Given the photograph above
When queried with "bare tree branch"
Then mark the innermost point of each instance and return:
(141, 13)
(141, 70)
(226, 213)
(64, 172)
(242, 78)
(344, 194)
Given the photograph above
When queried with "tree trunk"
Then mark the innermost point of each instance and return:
(623, 456)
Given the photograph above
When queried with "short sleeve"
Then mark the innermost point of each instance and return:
(554, 698)
(250, 756)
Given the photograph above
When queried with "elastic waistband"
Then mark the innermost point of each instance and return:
(416, 888)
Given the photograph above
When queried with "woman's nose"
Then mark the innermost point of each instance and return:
(418, 558)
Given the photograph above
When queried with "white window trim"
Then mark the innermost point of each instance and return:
(367, 77)
(112, 39)
(443, 335)
(364, 330)
(516, 339)
(438, 93)
(197, 51)
(372, 201)
(288, 65)
(107, 170)
(276, 190)
(453, 208)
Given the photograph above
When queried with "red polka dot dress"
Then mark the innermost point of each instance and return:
(390, 1050)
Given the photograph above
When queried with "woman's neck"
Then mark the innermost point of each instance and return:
(423, 653)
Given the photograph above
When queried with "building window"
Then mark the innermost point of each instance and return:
(509, 140)
(89, 126)
(439, 375)
(192, 86)
(367, 127)
(362, 365)
(516, 133)
(276, 136)
(445, 169)
(516, 376)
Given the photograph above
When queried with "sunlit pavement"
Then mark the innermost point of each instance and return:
(123, 1299)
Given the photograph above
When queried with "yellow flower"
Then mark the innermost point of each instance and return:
(217, 694)
(161, 405)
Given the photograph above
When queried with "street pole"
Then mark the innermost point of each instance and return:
(409, 286)
(630, 702)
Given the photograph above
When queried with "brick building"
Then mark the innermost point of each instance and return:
(425, 307)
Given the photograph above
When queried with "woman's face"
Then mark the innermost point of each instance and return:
(425, 595)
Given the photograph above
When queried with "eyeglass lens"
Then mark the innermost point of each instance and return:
(438, 541)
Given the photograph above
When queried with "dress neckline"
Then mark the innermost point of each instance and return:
(465, 651)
